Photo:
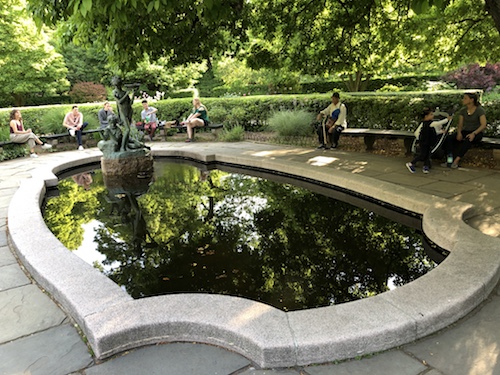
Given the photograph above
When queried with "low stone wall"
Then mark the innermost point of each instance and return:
(114, 322)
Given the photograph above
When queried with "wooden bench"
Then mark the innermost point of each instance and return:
(371, 135)
(490, 142)
(50, 138)
(165, 125)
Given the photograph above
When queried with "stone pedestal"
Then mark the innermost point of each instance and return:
(128, 166)
(127, 175)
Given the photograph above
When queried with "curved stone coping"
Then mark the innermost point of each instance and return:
(114, 322)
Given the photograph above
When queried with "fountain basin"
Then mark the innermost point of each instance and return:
(114, 322)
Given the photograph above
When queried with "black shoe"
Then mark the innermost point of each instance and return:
(334, 145)
(320, 147)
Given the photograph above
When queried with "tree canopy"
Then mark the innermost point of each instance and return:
(369, 37)
(357, 38)
(28, 63)
(182, 31)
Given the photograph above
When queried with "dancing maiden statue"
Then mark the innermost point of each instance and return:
(123, 153)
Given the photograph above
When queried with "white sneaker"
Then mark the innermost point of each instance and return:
(72, 132)
(33, 155)
(46, 146)
(80, 148)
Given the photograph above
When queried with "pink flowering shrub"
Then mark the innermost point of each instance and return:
(88, 92)
(474, 76)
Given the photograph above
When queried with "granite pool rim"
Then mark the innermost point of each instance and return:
(113, 322)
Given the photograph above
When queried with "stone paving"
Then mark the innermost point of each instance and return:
(37, 337)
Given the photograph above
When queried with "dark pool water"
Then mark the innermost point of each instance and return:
(193, 230)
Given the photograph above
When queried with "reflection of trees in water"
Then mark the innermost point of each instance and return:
(238, 235)
(74, 206)
(289, 247)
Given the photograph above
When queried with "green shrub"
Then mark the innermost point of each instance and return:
(4, 133)
(51, 121)
(13, 151)
(292, 123)
(234, 134)
(218, 115)
(374, 110)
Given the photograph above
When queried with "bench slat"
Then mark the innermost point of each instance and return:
(370, 135)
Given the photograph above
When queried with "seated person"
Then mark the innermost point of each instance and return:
(103, 114)
(338, 125)
(197, 118)
(20, 135)
(471, 124)
(73, 121)
(149, 121)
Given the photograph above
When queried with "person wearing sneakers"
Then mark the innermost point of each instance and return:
(426, 139)
(197, 118)
(471, 123)
(18, 134)
(74, 122)
(340, 123)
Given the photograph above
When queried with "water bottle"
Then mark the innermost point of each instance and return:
(449, 160)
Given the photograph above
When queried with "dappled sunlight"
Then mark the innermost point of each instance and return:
(486, 198)
(357, 167)
(485, 358)
(277, 153)
(320, 161)
(456, 211)
(248, 315)
(490, 226)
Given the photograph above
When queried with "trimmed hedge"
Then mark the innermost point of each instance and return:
(364, 110)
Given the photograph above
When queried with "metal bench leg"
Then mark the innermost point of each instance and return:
(369, 141)
(408, 143)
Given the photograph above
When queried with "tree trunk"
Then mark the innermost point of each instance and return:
(18, 100)
(493, 8)
(357, 82)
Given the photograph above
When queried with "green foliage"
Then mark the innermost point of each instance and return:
(29, 66)
(421, 6)
(241, 80)
(87, 92)
(330, 37)
(64, 217)
(85, 64)
(360, 39)
(159, 76)
(235, 134)
(461, 33)
(292, 123)
(183, 31)
(4, 130)
(364, 110)
(13, 151)
(51, 121)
